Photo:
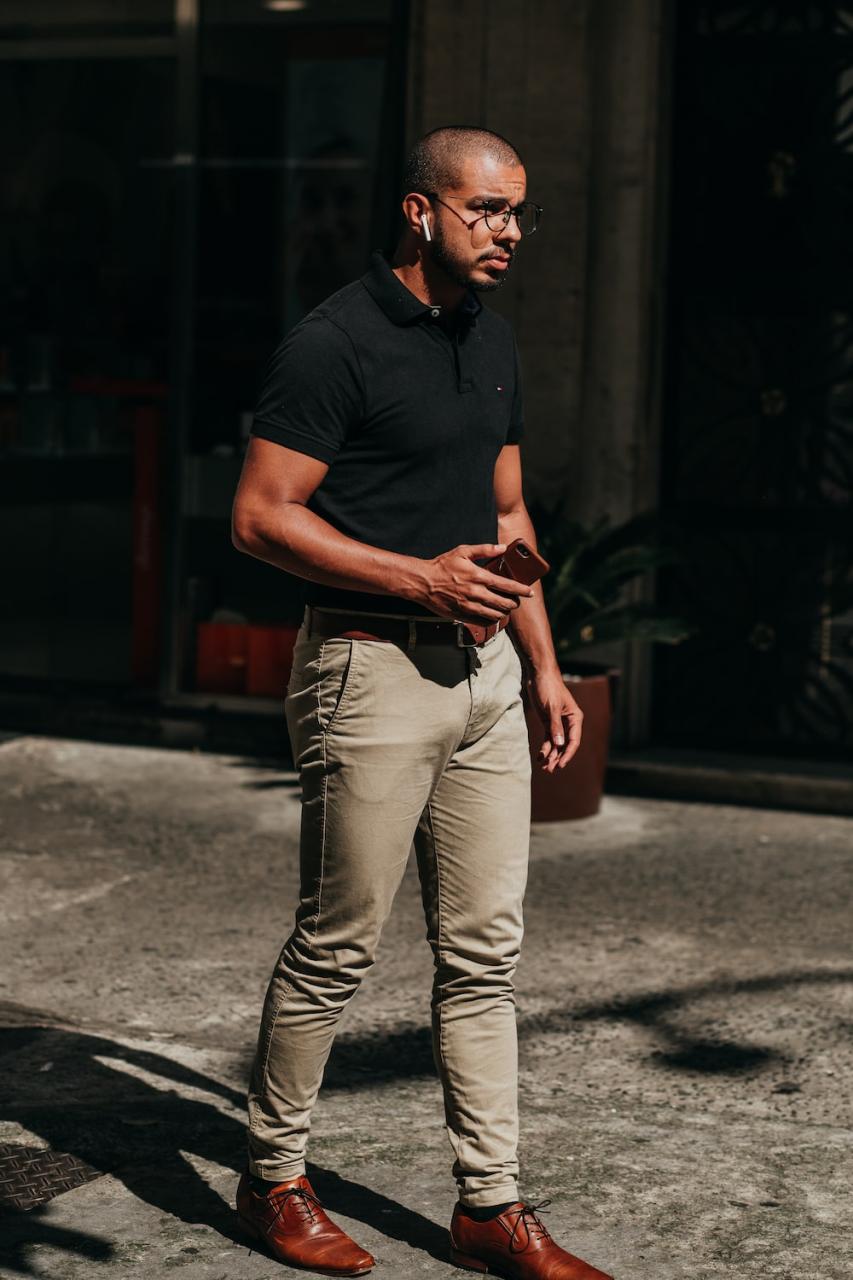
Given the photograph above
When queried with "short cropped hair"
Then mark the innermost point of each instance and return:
(434, 161)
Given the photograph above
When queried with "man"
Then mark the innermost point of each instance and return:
(384, 464)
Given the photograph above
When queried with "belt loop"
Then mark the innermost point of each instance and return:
(413, 636)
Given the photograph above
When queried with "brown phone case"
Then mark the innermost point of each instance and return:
(520, 562)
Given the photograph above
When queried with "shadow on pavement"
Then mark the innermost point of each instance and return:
(92, 1097)
(407, 1052)
(679, 1050)
(19, 1232)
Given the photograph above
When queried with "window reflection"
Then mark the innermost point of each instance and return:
(98, 312)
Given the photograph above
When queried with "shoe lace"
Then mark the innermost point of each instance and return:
(304, 1198)
(527, 1226)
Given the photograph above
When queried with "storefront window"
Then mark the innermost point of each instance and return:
(293, 195)
(84, 354)
(40, 19)
(182, 180)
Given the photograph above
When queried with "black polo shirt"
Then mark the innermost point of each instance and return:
(409, 408)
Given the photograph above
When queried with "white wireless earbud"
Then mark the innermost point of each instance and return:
(425, 225)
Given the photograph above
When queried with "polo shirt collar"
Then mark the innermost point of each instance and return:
(399, 303)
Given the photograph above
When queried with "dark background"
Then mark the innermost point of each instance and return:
(181, 184)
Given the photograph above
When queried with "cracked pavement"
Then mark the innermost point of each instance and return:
(685, 1015)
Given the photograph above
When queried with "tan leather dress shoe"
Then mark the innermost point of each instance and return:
(289, 1220)
(515, 1245)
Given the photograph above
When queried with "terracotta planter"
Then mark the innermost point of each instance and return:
(574, 791)
(244, 658)
(270, 660)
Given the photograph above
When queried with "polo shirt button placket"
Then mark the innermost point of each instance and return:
(463, 383)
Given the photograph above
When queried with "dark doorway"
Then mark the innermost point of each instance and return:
(180, 185)
(758, 448)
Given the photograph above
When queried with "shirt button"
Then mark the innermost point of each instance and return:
(435, 312)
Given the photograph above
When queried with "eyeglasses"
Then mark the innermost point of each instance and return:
(497, 213)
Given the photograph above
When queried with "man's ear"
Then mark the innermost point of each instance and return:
(415, 208)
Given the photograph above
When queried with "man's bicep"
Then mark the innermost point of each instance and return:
(274, 474)
(508, 485)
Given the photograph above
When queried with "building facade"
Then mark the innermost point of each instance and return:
(183, 179)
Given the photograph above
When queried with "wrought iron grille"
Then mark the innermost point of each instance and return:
(758, 442)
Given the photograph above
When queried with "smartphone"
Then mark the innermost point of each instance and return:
(520, 562)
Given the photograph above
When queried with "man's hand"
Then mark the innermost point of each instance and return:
(458, 588)
(561, 716)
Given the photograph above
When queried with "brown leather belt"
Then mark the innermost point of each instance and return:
(408, 632)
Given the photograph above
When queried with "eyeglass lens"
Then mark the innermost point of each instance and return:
(527, 216)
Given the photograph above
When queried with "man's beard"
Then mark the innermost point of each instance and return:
(459, 274)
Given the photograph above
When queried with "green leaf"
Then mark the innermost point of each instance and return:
(590, 570)
(632, 622)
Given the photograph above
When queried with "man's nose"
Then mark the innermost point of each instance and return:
(510, 232)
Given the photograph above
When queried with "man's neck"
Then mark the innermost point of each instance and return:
(429, 285)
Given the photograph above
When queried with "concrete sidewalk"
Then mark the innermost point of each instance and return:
(685, 1017)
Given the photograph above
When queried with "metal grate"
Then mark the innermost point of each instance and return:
(30, 1176)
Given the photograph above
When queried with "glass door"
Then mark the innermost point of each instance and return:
(298, 151)
(759, 434)
(182, 180)
(85, 261)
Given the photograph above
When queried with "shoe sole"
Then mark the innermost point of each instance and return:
(258, 1239)
(467, 1263)
(470, 1264)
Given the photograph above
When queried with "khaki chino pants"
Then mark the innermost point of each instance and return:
(394, 747)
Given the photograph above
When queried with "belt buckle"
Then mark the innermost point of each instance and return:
(460, 643)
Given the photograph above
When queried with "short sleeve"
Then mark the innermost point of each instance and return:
(311, 396)
(515, 429)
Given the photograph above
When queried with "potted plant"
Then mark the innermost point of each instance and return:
(585, 597)
(241, 651)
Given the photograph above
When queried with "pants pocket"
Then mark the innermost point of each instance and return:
(338, 663)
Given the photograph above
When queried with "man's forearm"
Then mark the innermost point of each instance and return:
(529, 621)
(303, 543)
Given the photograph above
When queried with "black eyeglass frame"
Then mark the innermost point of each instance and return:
(484, 217)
